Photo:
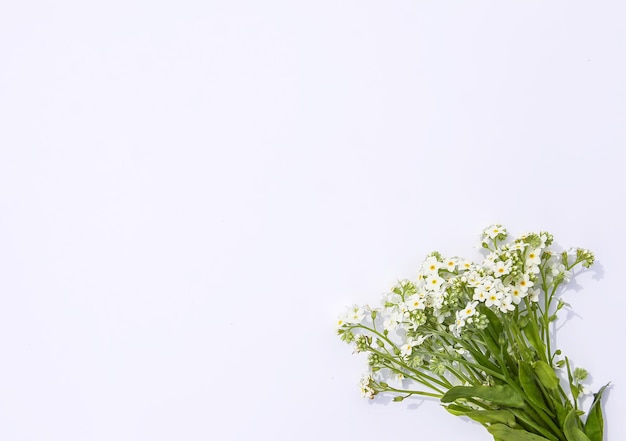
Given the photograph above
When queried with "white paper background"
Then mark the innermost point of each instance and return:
(191, 192)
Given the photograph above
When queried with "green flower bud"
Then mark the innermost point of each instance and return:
(580, 374)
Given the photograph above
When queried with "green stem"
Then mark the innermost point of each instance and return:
(414, 392)
(417, 375)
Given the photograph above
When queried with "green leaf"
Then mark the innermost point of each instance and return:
(482, 359)
(456, 410)
(546, 375)
(500, 395)
(493, 320)
(594, 426)
(571, 427)
(493, 416)
(530, 387)
(529, 422)
(500, 431)
(561, 410)
(532, 334)
(490, 343)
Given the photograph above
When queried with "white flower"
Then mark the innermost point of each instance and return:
(533, 295)
(420, 280)
(558, 268)
(415, 301)
(403, 308)
(480, 294)
(489, 283)
(450, 264)
(533, 269)
(506, 304)
(433, 282)
(356, 314)
(441, 315)
(366, 387)
(431, 265)
(492, 231)
(493, 298)
(533, 258)
(502, 268)
(525, 283)
(486, 289)
(392, 319)
(517, 294)
(407, 348)
(490, 260)
(567, 275)
(469, 310)
(393, 298)
(519, 246)
(465, 265)
(473, 279)
(434, 299)
(458, 324)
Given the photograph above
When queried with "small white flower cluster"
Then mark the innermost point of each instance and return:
(353, 315)
(450, 293)
(474, 334)
(506, 276)
(367, 389)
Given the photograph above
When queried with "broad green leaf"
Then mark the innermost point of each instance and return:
(483, 360)
(571, 428)
(530, 387)
(501, 395)
(491, 343)
(483, 416)
(495, 322)
(546, 375)
(493, 416)
(456, 410)
(594, 426)
(500, 431)
(511, 363)
(533, 337)
(561, 410)
(532, 422)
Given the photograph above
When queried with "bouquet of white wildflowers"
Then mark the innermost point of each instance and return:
(478, 337)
